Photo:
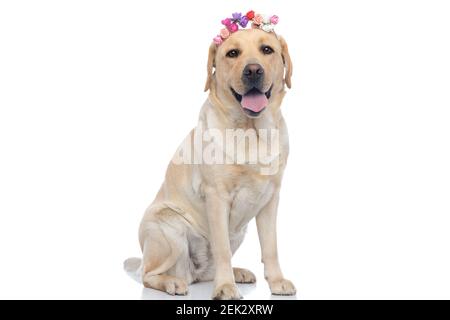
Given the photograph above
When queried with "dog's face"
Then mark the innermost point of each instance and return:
(249, 70)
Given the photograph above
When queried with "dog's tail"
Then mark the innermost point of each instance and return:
(132, 264)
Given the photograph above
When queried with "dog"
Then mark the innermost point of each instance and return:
(199, 216)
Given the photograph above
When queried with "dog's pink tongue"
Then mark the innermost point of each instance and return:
(254, 102)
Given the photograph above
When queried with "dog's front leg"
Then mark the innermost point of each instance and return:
(218, 217)
(266, 222)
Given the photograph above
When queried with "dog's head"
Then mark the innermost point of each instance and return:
(248, 71)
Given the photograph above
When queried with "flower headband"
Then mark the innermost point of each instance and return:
(258, 21)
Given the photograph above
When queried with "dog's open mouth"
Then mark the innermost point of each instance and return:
(254, 101)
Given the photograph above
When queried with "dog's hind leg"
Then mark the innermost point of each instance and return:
(160, 254)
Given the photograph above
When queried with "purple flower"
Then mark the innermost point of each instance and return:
(237, 16)
(243, 22)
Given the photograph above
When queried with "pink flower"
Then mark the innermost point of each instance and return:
(258, 19)
(274, 19)
(226, 22)
(255, 26)
(217, 40)
(233, 27)
(224, 33)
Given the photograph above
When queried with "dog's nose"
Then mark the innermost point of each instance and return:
(253, 73)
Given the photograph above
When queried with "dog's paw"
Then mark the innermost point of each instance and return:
(176, 286)
(227, 291)
(169, 284)
(243, 276)
(282, 287)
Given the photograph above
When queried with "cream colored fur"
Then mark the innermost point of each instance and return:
(199, 216)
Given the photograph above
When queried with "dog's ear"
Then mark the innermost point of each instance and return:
(211, 65)
(287, 62)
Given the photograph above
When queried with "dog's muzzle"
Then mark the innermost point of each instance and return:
(254, 100)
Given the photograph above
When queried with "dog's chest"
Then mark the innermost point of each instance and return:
(248, 199)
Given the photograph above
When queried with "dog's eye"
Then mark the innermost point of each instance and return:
(266, 50)
(233, 53)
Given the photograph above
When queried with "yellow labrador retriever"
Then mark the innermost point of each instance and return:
(199, 216)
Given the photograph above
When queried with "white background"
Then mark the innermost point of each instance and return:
(89, 89)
